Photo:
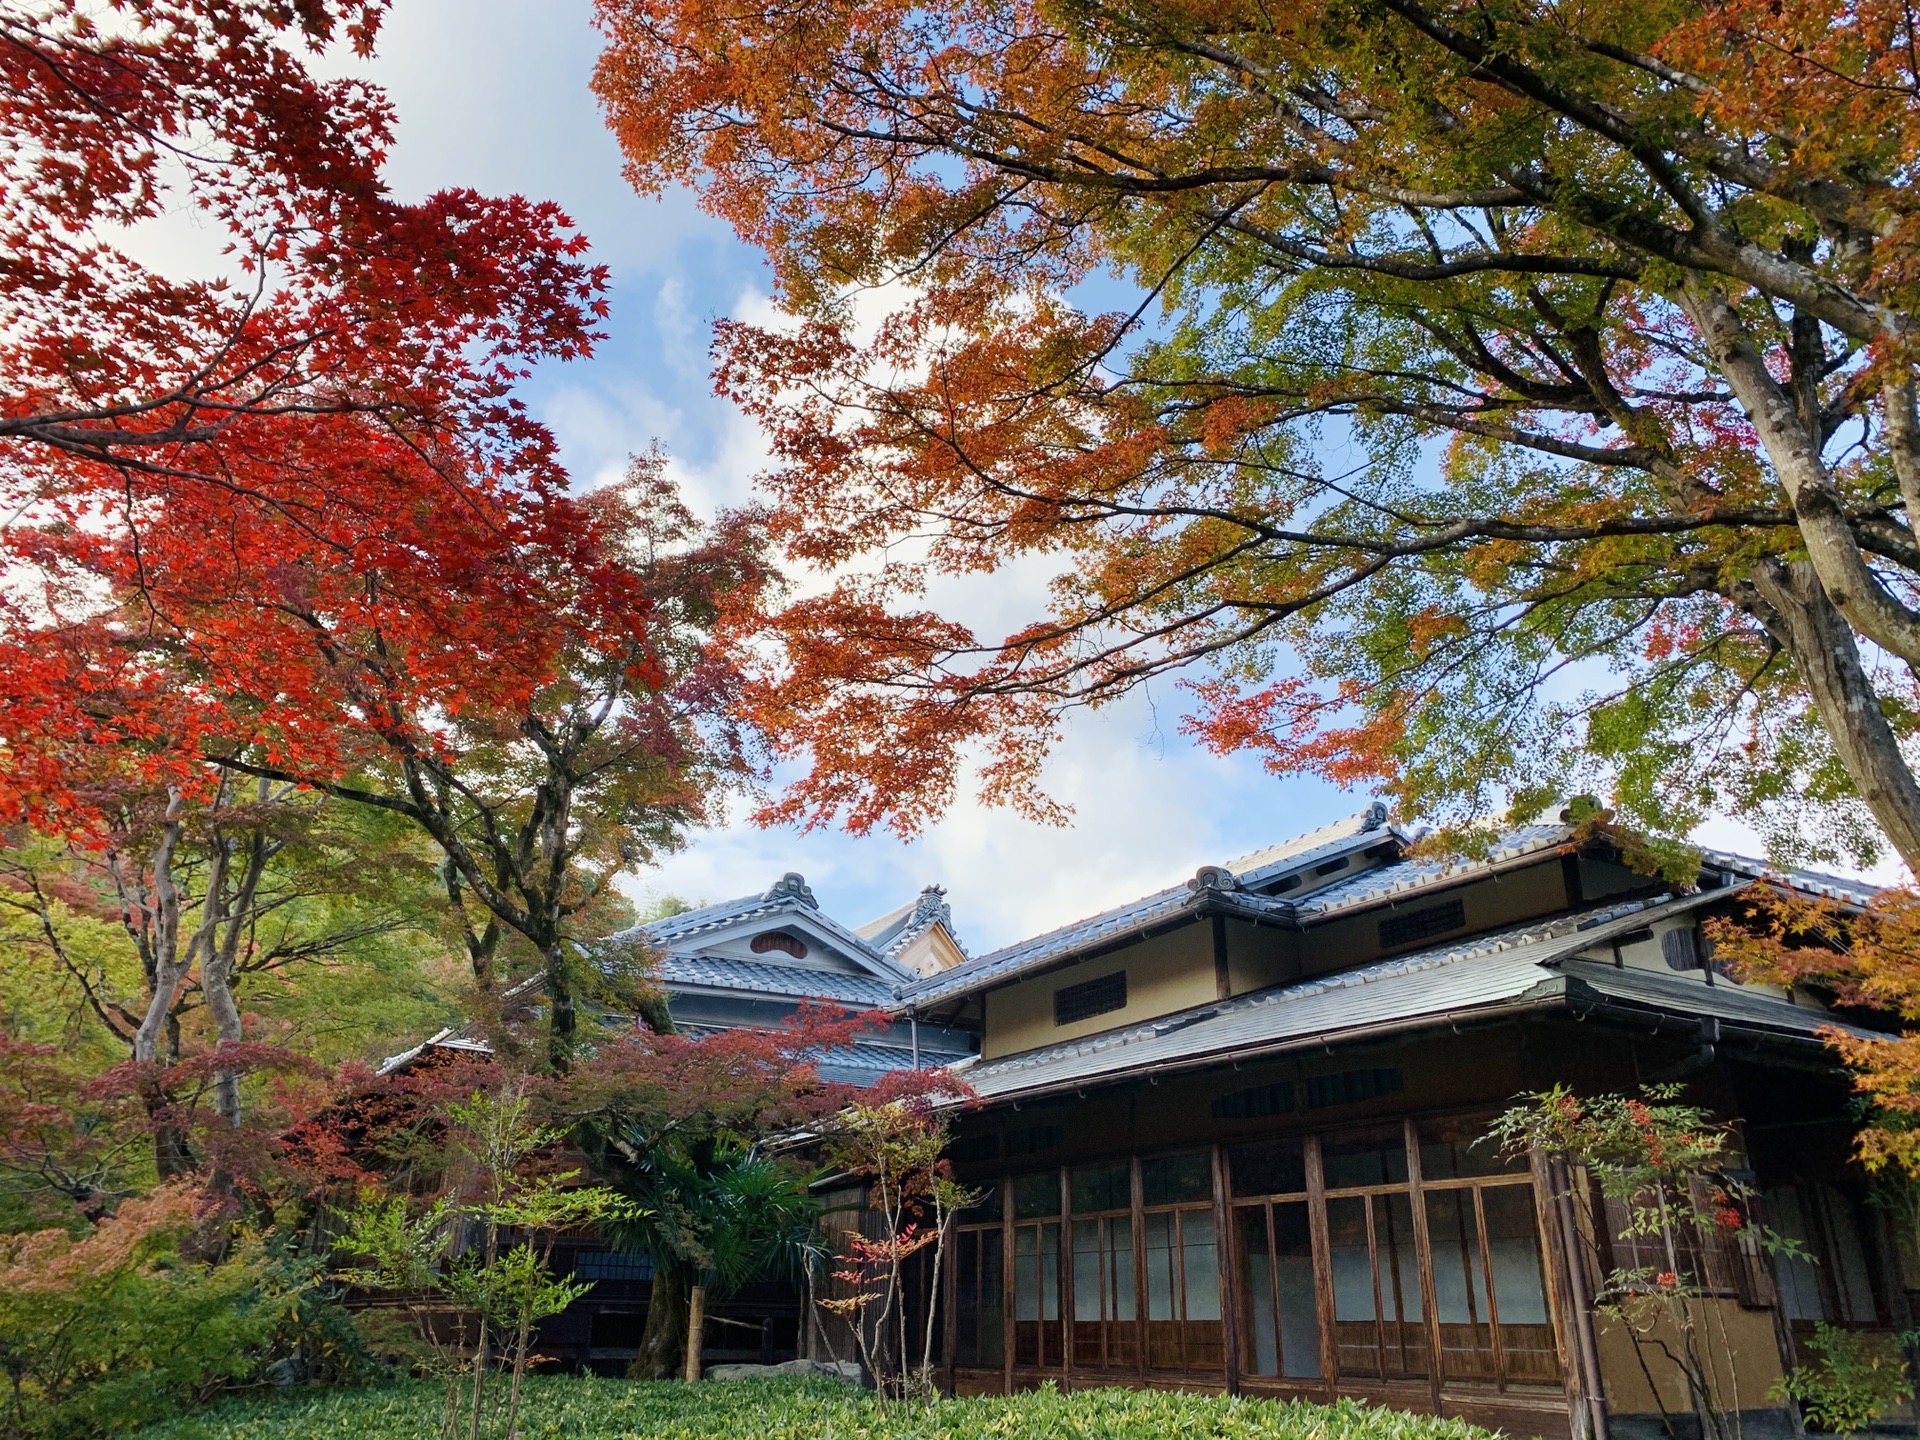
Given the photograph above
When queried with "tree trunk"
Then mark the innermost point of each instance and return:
(561, 1018)
(696, 1332)
(666, 1327)
(1828, 660)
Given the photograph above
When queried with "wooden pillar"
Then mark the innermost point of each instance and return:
(1322, 1266)
(1223, 1254)
(1006, 1285)
(1423, 1259)
(1065, 1272)
(1572, 1304)
(1138, 1201)
(1222, 971)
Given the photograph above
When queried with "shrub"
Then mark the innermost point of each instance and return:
(112, 1326)
(1859, 1379)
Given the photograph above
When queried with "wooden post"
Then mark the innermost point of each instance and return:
(1223, 1255)
(696, 1331)
(1423, 1258)
(1141, 1310)
(1573, 1307)
(949, 1282)
(1064, 1268)
(1322, 1266)
(1006, 1284)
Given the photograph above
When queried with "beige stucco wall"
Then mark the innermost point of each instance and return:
(1509, 899)
(1738, 1345)
(1166, 973)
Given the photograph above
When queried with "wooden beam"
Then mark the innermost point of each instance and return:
(1222, 972)
(1063, 1267)
(1322, 1267)
(1223, 1249)
(1423, 1257)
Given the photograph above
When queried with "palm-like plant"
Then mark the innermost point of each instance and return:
(715, 1216)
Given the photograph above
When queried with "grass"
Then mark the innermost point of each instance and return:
(583, 1408)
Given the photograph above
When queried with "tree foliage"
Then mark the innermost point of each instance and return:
(1499, 395)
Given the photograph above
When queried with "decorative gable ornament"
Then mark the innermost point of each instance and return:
(792, 886)
(1213, 878)
(931, 909)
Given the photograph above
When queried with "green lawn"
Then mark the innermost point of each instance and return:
(589, 1409)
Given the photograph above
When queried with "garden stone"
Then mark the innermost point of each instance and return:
(839, 1370)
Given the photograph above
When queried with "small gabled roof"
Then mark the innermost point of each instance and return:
(788, 897)
(724, 972)
(897, 929)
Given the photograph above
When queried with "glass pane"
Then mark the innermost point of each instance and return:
(1120, 1268)
(1275, 1168)
(1049, 1272)
(1377, 1159)
(1160, 1262)
(1257, 1285)
(1026, 1273)
(1356, 1331)
(1089, 1294)
(1299, 1307)
(987, 1207)
(1455, 1150)
(1519, 1285)
(1177, 1178)
(1036, 1195)
(1201, 1261)
(1101, 1187)
(977, 1302)
(1104, 1329)
(966, 1306)
(993, 1307)
(1459, 1287)
(1404, 1330)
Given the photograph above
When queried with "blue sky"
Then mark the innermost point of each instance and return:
(493, 94)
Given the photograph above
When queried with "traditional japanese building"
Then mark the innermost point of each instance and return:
(750, 962)
(1226, 1135)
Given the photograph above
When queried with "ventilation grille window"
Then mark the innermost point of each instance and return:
(1090, 998)
(1422, 924)
(1350, 1087)
(779, 940)
(1331, 867)
(1252, 1104)
(1681, 949)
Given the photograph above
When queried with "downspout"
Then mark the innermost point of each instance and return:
(913, 1027)
(1586, 1343)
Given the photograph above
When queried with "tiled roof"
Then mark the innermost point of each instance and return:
(1833, 887)
(1029, 954)
(788, 896)
(1528, 962)
(1415, 874)
(1265, 867)
(1275, 861)
(897, 929)
(726, 973)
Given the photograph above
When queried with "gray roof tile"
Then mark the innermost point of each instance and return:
(1415, 874)
(1528, 961)
(726, 973)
